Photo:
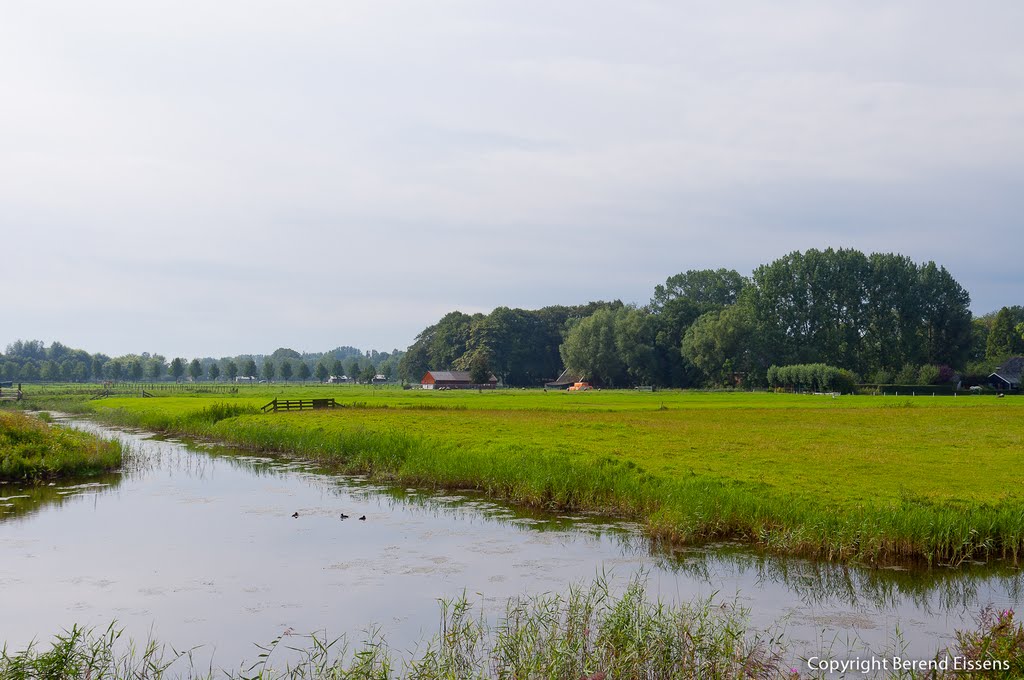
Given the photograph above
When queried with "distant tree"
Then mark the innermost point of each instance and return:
(286, 370)
(49, 371)
(708, 289)
(155, 367)
(1003, 338)
(367, 373)
(96, 367)
(337, 369)
(590, 349)
(718, 343)
(195, 369)
(270, 370)
(303, 373)
(213, 371)
(479, 369)
(322, 372)
(29, 371)
(352, 368)
(177, 368)
(231, 369)
(249, 368)
(134, 370)
(282, 353)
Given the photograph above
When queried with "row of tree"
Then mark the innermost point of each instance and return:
(875, 315)
(32, 360)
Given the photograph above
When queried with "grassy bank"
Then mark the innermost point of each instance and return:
(32, 450)
(936, 479)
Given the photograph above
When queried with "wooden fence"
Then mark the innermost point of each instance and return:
(299, 404)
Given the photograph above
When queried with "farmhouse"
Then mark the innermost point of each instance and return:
(1007, 376)
(452, 380)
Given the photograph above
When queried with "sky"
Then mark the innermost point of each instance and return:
(213, 178)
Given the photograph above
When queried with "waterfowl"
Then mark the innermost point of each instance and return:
(344, 516)
(363, 518)
(296, 514)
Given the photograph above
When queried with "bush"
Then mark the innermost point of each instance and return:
(907, 375)
(929, 375)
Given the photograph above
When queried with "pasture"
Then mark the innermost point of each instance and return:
(867, 478)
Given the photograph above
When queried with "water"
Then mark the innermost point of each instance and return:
(197, 546)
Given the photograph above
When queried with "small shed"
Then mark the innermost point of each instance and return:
(452, 380)
(1007, 376)
(379, 379)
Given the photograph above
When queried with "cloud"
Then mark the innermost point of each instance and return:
(168, 166)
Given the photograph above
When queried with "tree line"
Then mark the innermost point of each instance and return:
(878, 317)
(32, 360)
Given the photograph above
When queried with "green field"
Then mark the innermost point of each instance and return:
(33, 451)
(867, 478)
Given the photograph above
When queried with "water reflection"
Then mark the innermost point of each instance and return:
(19, 500)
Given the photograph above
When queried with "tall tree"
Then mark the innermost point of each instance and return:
(1003, 338)
(195, 370)
(322, 372)
(270, 370)
(590, 348)
(303, 372)
(177, 368)
(249, 368)
(287, 369)
(213, 371)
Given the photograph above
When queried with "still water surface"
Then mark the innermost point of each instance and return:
(197, 546)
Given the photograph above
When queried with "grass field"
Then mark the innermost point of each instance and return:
(32, 451)
(869, 478)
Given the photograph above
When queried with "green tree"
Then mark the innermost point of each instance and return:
(479, 368)
(337, 369)
(303, 372)
(195, 369)
(1004, 339)
(156, 367)
(231, 370)
(134, 370)
(322, 372)
(352, 368)
(287, 369)
(719, 343)
(270, 370)
(213, 371)
(590, 348)
(249, 368)
(177, 368)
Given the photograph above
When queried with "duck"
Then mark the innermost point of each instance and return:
(295, 514)
(363, 518)
(344, 516)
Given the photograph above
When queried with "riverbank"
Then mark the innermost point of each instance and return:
(32, 450)
(870, 479)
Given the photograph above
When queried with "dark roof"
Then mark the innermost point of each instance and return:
(566, 378)
(450, 376)
(1011, 370)
(455, 376)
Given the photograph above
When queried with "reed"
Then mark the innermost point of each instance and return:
(32, 450)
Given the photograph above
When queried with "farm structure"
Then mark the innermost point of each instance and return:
(566, 380)
(1007, 376)
(453, 380)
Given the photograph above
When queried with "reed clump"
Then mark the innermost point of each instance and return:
(32, 450)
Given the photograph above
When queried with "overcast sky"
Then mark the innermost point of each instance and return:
(211, 178)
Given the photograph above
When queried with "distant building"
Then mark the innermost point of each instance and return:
(1007, 376)
(334, 379)
(379, 379)
(245, 379)
(452, 380)
(564, 381)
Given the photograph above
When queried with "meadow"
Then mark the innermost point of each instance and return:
(33, 451)
(866, 478)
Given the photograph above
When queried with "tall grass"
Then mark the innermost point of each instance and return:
(32, 450)
(588, 632)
